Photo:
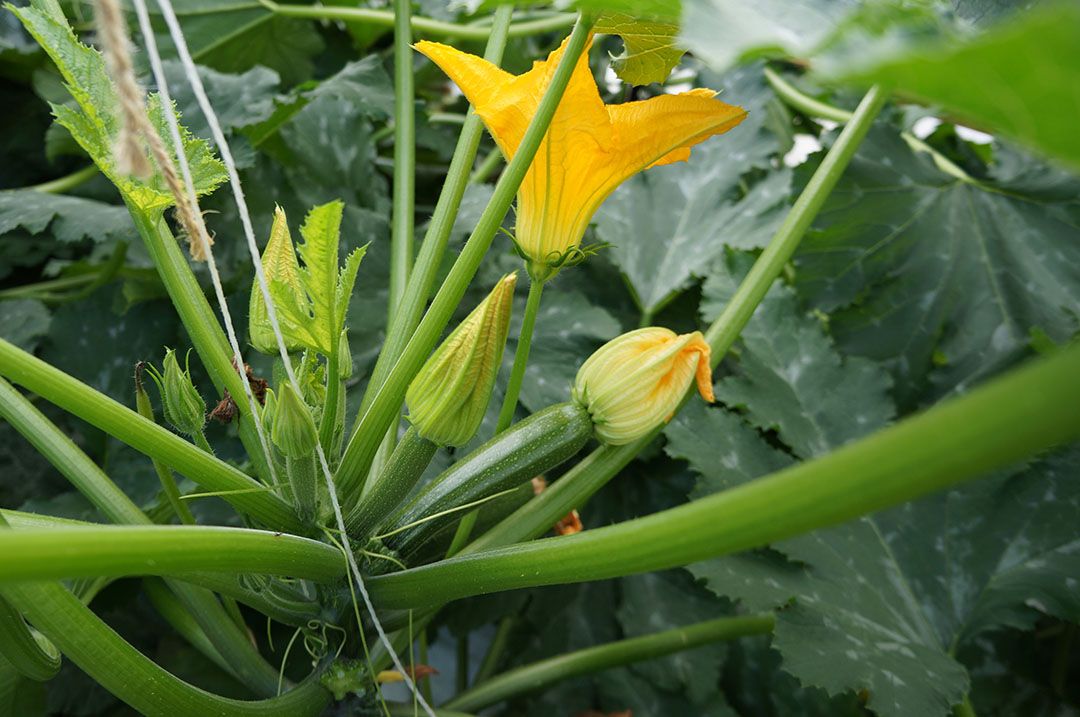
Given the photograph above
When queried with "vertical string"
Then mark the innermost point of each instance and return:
(113, 30)
(245, 219)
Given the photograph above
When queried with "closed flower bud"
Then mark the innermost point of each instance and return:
(294, 431)
(183, 406)
(449, 397)
(345, 367)
(636, 381)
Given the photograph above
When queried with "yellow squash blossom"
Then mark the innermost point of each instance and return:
(590, 148)
(635, 381)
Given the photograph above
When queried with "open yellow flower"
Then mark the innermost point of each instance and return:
(634, 382)
(590, 148)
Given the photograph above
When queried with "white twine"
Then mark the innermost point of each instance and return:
(202, 236)
(245, 219)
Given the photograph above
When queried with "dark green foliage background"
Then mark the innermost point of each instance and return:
(912, 285)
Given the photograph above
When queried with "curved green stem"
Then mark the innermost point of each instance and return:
(36, 660)
(145, 436)
(521, 356)
(70, 181)
(803, 102)
(583, 480)
(1011, 418)
(420, 25)
(118, 667)
(411, 306)
(115, 550)
(288, 611)
(613, 654)
(387, 401)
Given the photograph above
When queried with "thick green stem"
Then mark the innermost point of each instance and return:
(521, 356)
(118, 550)
(421, 25)
(328, 424)
(398, 477)
(201, 324)
(1011, 418)
(965, 708)
(118, 667)
(289, 611)
(174, 613)
(613, 654)
(145, 436)
(583, 480)
(411, 306)
(401, 228)
(379, 415)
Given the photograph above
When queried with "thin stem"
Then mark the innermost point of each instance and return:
(164, 473)
(330, 417)
(804, 103)
(401, 232)
(487, 167)
(583, 480)
(521, 356)
(420, 25)
(422, 638)
(118, 667)
(115, 550)
(377, 418)
(106, 414)
(1027, 411)
(70, 181)
(613, 654)
(461, 673)
(493, 656)
(404, 321)
(965, 708)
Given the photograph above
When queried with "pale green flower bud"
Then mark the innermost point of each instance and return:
(183, 406)
(345, 367)
(449, 397)
(294, 431)
(635, 382)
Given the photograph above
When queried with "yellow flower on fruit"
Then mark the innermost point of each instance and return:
(635, 382)
(589, 149)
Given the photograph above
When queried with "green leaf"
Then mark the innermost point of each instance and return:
(345, 283)
(94, 121)
(722, 32)
(934, 275)
(282, 271)
(24, 322)
(319, 251)
(69, 219)
(668, 223)
(791, 379)
(663, 601)
(880, 603)
(1017, 79)
(649, 50)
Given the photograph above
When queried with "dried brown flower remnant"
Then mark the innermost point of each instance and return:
(570, 523)
(226, 410)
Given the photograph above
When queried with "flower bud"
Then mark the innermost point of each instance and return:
(294, 431)
(345, 366)
(636, 381)
(183, 406)
(449, 397)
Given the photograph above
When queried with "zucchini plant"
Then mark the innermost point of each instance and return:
(631, 358)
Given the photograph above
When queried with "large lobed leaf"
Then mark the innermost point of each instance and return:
(940, 278)
(881, 604)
